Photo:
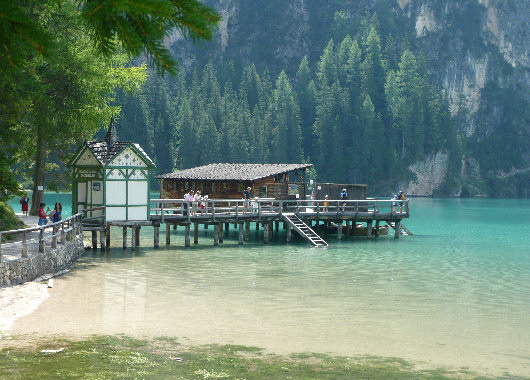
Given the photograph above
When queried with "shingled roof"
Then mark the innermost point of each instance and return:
(233, 172)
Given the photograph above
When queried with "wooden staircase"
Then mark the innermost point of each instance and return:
(402, 229)
(304, 230)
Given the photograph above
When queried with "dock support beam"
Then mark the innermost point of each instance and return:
(134, 231)
(288, 233)
(277, 225)
(102, 238)
(187, 229)
(227, 227)
(240, 233)
(156, 231)
(247, 231)
(168, 233)
(107, 233)
(266, 233)
(397, 228)
(369, 229)
(377, 228)
(137, 237)
(195, 233)
(347, 229)
(124, 237)
(216, 234)
(221, 233)
(339, 230)
(270, 230)
(94, 239)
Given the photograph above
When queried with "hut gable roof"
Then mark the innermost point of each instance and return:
(234, 172)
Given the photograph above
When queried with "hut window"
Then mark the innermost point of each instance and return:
(186, 186)
(213, 187)
(239, 187)
(202, 187)
(224, 187)
(168, 185)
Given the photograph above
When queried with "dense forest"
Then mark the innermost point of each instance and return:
(362, 113)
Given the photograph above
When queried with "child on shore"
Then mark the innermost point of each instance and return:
(43, 215)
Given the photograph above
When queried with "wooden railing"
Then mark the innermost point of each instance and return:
(260, 207)
(61, 230)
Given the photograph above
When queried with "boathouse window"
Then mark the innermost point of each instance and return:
(224, 187)
(263, 192)
(239, 187)
(186, 188)
(202, 187)
(193, 186)
(213, 187)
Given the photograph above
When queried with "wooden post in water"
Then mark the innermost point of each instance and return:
(353, 227)
(339, 230)
(397, 228)
(137, 228)
(102, 239)
(216, 234)
(107, 232)
(156, 233)
(247, 231)
(277, 225)
(227, 227)
(377, 228)
(270, 230)
(94, 239)
(205, 226)
(195, 233)
(124, 237)
(187, 230)
(288, 233)
(168, 233)
(240, 233)
(134, 231)
(257, 226)
(347, 229)
(221, 233)
(369, 229)
(266, 233)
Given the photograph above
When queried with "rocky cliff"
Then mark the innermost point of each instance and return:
(477, 50)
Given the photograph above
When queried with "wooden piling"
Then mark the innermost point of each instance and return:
(156, 235)
(288, 233)
(257, 226)
(227, 227)
(216, 234)
(94, 239)
(168, 233)
(187, 230)
(270, 231)
(107, 233)
(397, 228)
(247, 231)
(369, 229)
(347, 229)
(195, 233)
(339, 230)
(221, 233)
(134, 231)
(102, 239)
(276, 225)
(137, 228)
(240, 233)
(124, 237)
(377, 228)
(266, 233)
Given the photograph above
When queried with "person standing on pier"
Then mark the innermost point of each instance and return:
(25, 201)
(394, 202)
(326, 203)
(246, 199)
(196, 201)
(401, 198)
(344, 197)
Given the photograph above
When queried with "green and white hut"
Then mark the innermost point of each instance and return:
(114, 174)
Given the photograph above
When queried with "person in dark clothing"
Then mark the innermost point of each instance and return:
(246, 199)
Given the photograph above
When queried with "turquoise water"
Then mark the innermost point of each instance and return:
(456, 294)
(49, 198)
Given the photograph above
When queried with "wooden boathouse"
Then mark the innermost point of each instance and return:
(227, 181)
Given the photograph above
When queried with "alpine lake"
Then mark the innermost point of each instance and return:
(452, 301)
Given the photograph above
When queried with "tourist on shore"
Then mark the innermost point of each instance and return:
(25, 202)
(43, 215)
(57, 212)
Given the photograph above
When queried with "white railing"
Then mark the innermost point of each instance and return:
(264, 207)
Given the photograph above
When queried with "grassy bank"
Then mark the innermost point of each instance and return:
(8, 219)
(107, 357)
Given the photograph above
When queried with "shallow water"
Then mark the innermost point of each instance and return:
(456, 294)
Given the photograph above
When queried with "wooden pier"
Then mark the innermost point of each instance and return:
(305, 217)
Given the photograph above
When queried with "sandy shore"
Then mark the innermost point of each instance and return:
(19, 301)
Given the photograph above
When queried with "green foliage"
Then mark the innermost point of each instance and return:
(8, 219)
(110, 357)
